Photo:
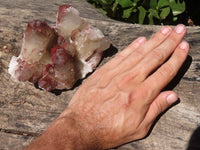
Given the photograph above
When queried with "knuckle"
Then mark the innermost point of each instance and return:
(167, 70)
(122, 81)
(142, 72)
(173, 39)
(159, 108)
(143, 94)
(139, 52)
(157, 54)
(181, 55)
(147, 90)
(157, 38)
(143, 132)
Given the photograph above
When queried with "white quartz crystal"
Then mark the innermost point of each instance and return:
(57, 58)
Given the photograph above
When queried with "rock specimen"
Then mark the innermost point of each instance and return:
(56, 58)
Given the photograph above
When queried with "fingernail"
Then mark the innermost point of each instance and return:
(184, 45)
(165, 30)
(180, 29)
(141, 40)
(172, 98)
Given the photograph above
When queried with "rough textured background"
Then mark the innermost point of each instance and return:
(25, 111)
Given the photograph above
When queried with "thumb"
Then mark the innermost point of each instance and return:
(160, 104)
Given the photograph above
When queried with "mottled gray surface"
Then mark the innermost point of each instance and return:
(26, 111)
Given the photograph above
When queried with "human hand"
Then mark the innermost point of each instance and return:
(120, 101)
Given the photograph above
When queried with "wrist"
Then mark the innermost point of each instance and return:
(66, 133)
(81, 136)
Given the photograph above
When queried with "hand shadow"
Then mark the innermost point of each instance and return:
(194, 143)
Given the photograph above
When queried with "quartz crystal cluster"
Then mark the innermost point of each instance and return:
(56, 58)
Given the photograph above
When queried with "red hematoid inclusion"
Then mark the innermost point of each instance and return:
(56, 58)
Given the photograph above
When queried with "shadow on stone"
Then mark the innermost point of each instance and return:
(110, 52)
(194, 143)
(56, 91)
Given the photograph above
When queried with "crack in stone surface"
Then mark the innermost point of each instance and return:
(24, 133)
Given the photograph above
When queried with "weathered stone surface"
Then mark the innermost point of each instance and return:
(26, 111)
